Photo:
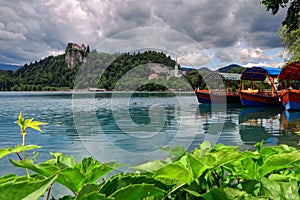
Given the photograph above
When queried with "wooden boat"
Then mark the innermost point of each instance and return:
(255, 97)
(219, 96)
(289, 97)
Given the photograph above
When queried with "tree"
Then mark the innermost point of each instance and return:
(292, 17)
(292, 42)
(290, 29)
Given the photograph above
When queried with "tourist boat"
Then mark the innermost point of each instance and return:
(219, 96)
(254, 96)
(289, 97)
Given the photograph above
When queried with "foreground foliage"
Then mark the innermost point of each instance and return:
(219, 172)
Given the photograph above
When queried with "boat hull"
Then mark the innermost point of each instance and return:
(206, 96)
(259, 99)
(290, 99)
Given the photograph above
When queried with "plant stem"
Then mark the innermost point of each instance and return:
(49, 191)
(24, 154)
(174, 190)
(19, 155)
(23, 138)
(216, 179)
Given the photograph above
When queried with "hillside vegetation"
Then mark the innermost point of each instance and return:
(101, 70)
(52, 73)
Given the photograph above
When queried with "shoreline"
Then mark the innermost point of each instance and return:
(88, 91)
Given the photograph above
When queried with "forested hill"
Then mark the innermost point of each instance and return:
(52, 73)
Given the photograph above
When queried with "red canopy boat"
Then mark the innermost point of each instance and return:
(290, 98)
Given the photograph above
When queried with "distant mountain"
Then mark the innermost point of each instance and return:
(232, 68)
(187, 69)
(9, 67)
(205, 69)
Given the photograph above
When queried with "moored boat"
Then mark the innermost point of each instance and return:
(219, 96)
(290, 97)
(254, 96)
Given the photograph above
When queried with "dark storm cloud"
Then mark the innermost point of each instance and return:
(35, 29)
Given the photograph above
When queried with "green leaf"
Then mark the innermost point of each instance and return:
(194, 193)
(98, 170)
(221, 158)
(259, 146)
(64, 161)
(174, 171)
(36, 125)
(119, 181)
(251, 187)
(28, 123)
(195, 166)
(71, 175)
(91, 191)
(280, 190)
(225, 194)
(150, 166)
(20, 120)
(279, 161)
(137, 192)
(249, 169)
(7, 178)
(175, 152)
(96, 196)
(27, 189)
(281, 177)
(10, 150)
(205, 145)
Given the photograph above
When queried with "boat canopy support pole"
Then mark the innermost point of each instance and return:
(243, 87)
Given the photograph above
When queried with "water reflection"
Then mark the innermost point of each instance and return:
(257, 124)
(176, 121)
(290, 124)
(220, 125)
(246, 126)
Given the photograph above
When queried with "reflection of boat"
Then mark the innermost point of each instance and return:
(219, 96)
(292, 116)
(290, 98)
(250, 114)
(253, 97)
(290, 123)
(219, 123)
(258, 123)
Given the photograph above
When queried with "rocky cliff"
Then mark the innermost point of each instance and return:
(75, 53)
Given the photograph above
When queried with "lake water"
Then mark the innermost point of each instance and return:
(130, 128)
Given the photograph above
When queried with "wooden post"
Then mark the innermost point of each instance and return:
(273, 87)
(243, 85)
(262, 86)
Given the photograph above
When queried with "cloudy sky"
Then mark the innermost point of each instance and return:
(230, 31)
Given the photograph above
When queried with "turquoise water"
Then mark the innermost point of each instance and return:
(130, 128)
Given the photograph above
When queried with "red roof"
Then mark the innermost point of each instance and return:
(291, 71)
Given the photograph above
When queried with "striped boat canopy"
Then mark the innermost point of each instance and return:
(217, 76)
(291, 71)
(260, 73)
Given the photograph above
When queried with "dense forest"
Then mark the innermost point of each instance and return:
(99, 70)
(50, 73)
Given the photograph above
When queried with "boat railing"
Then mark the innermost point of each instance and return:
(218, 92)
